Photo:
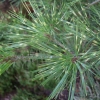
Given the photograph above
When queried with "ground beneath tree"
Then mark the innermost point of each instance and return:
(41, 92)
(8, 96)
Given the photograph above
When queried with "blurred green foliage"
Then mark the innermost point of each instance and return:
(59, 44)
